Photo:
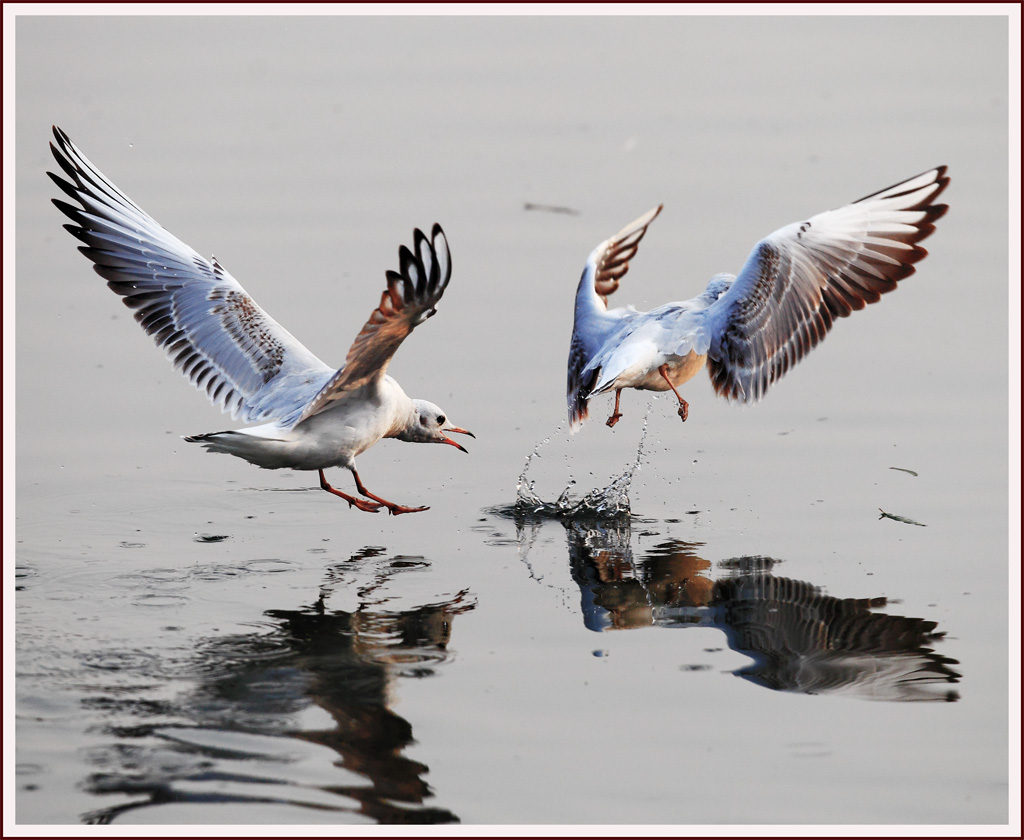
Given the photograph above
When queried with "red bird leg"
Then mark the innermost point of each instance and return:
(616, 416)
(684, 408)
(391, 506)
(362, 504)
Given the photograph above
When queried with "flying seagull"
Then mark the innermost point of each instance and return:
(309, 416)
(751, 328)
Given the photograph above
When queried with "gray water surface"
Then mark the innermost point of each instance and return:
(202, 642)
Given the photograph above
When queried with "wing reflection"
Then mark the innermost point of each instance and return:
(801, 639)
(229, 740)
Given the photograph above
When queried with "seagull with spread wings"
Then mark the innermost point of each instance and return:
(310, 416)
(748, 329)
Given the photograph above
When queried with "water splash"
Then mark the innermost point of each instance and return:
(611, 502)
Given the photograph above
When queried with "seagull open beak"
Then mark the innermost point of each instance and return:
(448, 440)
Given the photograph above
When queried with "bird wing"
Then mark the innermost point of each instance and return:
(800, 278)
(410, 298)
(206, 323)
(593, 323)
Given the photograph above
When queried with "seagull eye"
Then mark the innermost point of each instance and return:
(440, 419)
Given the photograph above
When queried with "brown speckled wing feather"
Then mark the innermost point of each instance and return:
(409, 299)
(206, 323)
(801, 278)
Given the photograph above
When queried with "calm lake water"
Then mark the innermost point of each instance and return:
(202, 642)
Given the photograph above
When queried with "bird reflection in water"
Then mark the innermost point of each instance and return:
(344, 661)
(801, 639)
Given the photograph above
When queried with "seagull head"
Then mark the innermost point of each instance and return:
(717, 287)
(428, 424)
